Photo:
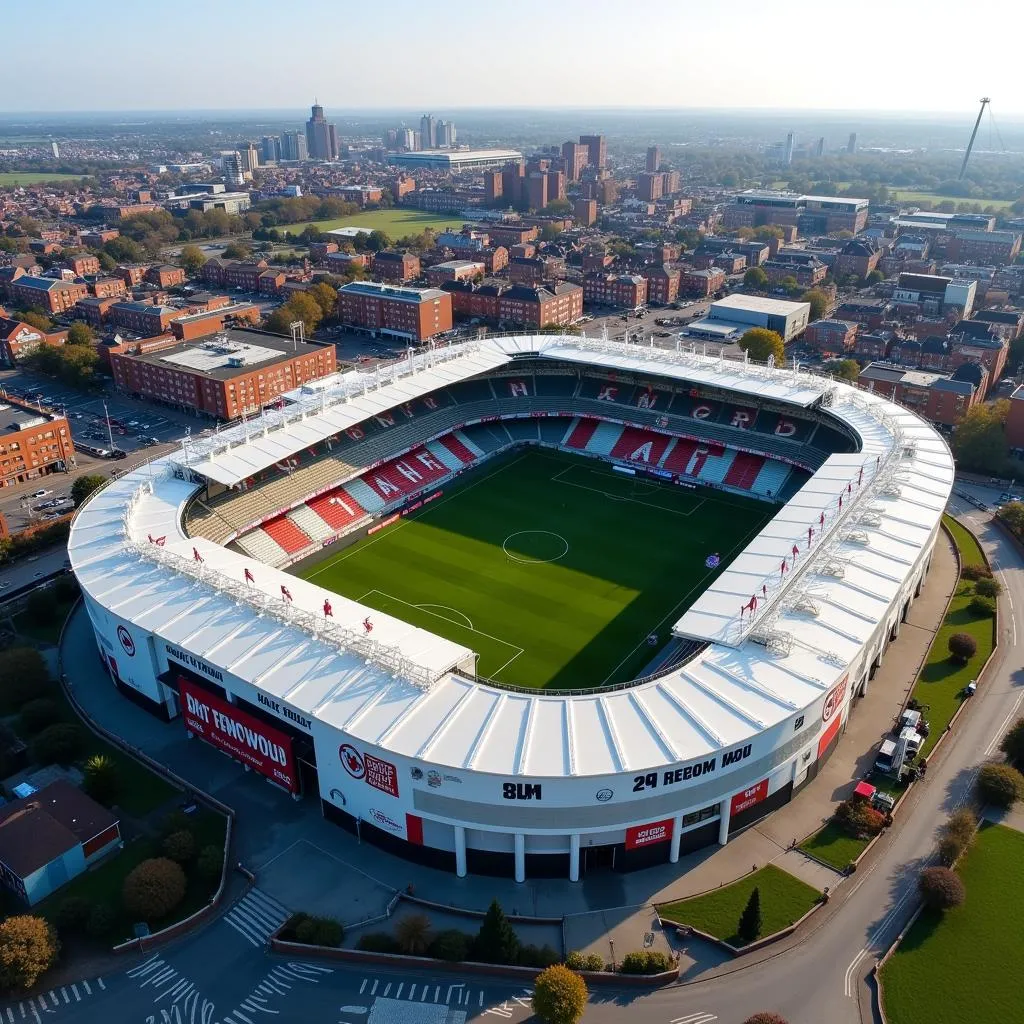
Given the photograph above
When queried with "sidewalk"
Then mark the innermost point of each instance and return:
(276, 836)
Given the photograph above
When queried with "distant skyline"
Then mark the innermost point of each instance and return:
(408, 55)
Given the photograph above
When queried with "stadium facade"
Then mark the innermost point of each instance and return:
(181, 564)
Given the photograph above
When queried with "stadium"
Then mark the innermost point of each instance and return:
(533, 606)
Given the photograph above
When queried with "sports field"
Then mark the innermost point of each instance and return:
(11, 179)
(395, 223)
(553, 568)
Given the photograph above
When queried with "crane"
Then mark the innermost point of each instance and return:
(985, 101)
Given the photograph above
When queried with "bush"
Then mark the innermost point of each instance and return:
(1000, 785)
(377, 942)
(176, 821)
(85, 485)
(319, 931)
(976, 572)
(496, 942)
(538, 956)
(101, 921)
(982, 606)
(644, 961)
(575, 961)
(559, 995)
(23, 676)
(72, 915)
(1012, 744)
(180, 846)
(210, 863)
(101, 779)
(28, 949)
(38, 714)
(153, 888)
(949, 850)
(858, 819)
(767, 1018)
(941, 888)
(41, 607)
(65, 588)
(961, 826)
(62, 743)
(962, 647)
(451, 945)
(413, 934)
(593, 962)
(988, 586)
(749, 927)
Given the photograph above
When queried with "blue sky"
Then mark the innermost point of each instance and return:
(437, 54)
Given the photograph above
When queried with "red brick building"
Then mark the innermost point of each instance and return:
(93, 310)
(107, 287)
(534, 270)
(538, 306)
(585, 211)
(165, 276)
(47, 294)
(938, 397)
(389, 265)
(662, 284)
(142, 317)
(82, 264)
(831, 337)
(236, 372)
(18, 339)
(32, 443)
(625, 291)
(702, 283)
(414, 313)
(132, 274)
(454, 270)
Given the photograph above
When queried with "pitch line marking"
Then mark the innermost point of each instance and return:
(533, 561)
(448, 608)
(558, 478)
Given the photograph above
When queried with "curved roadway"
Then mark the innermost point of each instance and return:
(824, 975)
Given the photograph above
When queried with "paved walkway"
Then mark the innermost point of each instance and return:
(273, 829)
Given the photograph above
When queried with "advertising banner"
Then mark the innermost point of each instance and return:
(265, 749)
(749, 797)
(646, 835)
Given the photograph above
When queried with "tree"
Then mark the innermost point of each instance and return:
(192, 259)
(101, 779)
(962, 647)
(38, 714)
(749, 927)
(875, 277)
(988, 586)
(101, 921)
(819, 302)
(761, 343)
(844, 369)
(940, 888)
(756, 278)
(979, 439)
(450, 944)
(237, 251)
(496, 942)
(84, 486)
(324, 296)
(73, 915)
(1000, 785)
(28, 949)
(550, 232)
(559, 995)
(559, 207)
(413, 934)
(23, 676)
(40, 321)
(153, 888)
(61, 743)
(956, 836)
(1012, 515)
(40, 607)
(765, 1018)
(180, 846)
(80, 333)
(1012, 744)
(790, 284)
(858, 818)
(210, 862)
(982, 606)
(319, 931)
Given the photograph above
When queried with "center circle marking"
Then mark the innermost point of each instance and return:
(527, 559)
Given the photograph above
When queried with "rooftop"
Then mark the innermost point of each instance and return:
(390, 291)
(758, 304)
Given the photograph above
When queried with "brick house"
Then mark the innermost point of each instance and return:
(414, 313)
(95, 310)
(625, 291)
(858, 256)
(142, 318)
(389, 265)
(132, 274)
(662, 284)
(82, 264)
(539, 306)
(47, 294)
(165, 276)
(106, 287)
(702, 283)
(831, 337)
(243, 276)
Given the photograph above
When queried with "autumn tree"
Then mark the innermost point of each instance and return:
(559, 995)
(192, 259)
(979, 439)
(28, 949)
(760, 343)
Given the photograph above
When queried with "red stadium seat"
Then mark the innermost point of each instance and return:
(457, 448)
(635, 445)
(743, 471)
(581, 434)
(287, 534)
(337, 508)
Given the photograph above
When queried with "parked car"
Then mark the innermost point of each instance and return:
(41, 493)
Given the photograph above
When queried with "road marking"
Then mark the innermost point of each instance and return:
(426, 989)
(363, 986)
(847, 980)
(398, 994)
(1002, 726)
(78, 998)
(64, 993)
(437, 993)
(99, 981)
(500, 1011)
(412, 992)
(373, 991)
(387, 989)
(352, 1009)
(700, 1017)
(481, 997)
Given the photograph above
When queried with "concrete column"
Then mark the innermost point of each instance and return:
(460, 851)
(723, 821)
(520, 857)
(574, 857)
(864, 687)
(677, 834)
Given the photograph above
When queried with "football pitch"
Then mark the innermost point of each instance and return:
(553, 568)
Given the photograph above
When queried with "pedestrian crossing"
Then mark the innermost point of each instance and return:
(33, 1007)
(256, 916)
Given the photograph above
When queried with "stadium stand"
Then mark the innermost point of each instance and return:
(772, 478)
(552, 430)
(338, 508)
(457, 447)
(317, 529)
(406, 474)
(261, 546)
(554, 385)
(643, 446)
(523, 430)
(581, 433)
(604, 438)
(287, 534)
(743, 471)
(443, 454)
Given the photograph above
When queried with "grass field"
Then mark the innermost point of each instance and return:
(832, 845)
(552, 568)
(958, 966)
(942, 681)
(784, 900)
(396, 223)
(900, 195)
(10, 178)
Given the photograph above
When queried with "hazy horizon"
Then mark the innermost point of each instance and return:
(744, 56)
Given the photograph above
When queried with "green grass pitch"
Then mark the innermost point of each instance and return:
(553, 568)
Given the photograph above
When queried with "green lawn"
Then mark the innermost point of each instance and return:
(900, 195)
(103, 884)
(13, 178)
(552, 568)
(784, 899)
(958, 966)
(396, 223)
(832, 845)
(941, 681)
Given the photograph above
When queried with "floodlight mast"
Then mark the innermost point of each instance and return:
(985, 101)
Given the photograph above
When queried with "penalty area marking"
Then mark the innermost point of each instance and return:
(526, 560)
(448, 608)
(559, 478)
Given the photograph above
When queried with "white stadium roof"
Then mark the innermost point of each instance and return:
(395, 689)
